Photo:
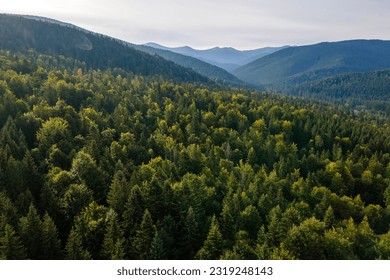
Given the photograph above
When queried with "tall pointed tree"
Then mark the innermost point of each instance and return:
(11, 247)
(118, 192)
(30, 228)
(74, 247)
(214, 243)
(142, 241)
(51, 244)
(191, 234)
(114, 242)
(157, 250)
(134, 210)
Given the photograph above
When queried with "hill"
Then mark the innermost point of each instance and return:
(213, 72)
(361, 91)
(317, 61)
(226, 58)
(19, 34)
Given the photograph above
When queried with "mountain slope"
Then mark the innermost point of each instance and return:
(226, 58)
(368, 91)
(315, 61)
(19, 34)
(211, 71)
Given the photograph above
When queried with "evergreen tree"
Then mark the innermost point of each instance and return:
(118, 193)
(214, 243)
(142, 241)
(74, 247)
(157, 250)
(191, 235)
(133, 211)
(114, 242)
(31, 233)
(11, 247)
(51, 244)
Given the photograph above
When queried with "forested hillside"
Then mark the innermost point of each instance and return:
(317, 61)
(20, 34)
(361, 91)
(105, 164)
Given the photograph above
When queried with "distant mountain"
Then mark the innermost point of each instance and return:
(19, 34)
(226, 58)
(317, 61)
(211, 71)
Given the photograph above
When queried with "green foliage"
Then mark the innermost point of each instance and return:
(30, 227)
(11, 247)
(108, 165)
(214, 243)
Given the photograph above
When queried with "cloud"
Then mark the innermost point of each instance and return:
(205, 23)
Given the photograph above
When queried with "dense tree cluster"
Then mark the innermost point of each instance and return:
(108, 165)
(367, 91)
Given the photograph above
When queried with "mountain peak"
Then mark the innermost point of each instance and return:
(227, 58)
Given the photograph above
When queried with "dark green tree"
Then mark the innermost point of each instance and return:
(214, 243)
(11, 247)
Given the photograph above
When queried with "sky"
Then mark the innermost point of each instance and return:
(242, 24)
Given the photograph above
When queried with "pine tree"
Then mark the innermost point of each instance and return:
(114, 242)
(11, 247)
(142, 241)
(191, 234)
(31, 233)
(51, 244)
(157, 250)
(214, 243)
(118, 193)
(74, 247)
(133, 211)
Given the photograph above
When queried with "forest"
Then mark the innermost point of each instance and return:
(108, 164)
(366, 91)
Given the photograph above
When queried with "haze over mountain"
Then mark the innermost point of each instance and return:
(209, 70)
(226, 58)
(316, 61)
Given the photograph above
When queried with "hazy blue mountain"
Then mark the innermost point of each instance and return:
(19, 34)
(211, 71)
(317, 61)
(226, 58)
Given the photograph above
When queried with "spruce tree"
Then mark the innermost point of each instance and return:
(51, 244)
(142, 241)
(11, 247)
(114, 242)
(30, 228)
(214, 243)
(118, 193)
(74, 247)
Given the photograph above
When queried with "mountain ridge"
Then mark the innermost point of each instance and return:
(227, 58)
(19, 34)
(316, 61)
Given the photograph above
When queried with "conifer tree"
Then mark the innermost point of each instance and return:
(11, 247)
(134, 210)
(118, 192)
(142, 241)
(214, 243)
(74, 247)
(51, 244)
(113, 247)
(157, 250)
(30, 228)
(191, 234)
